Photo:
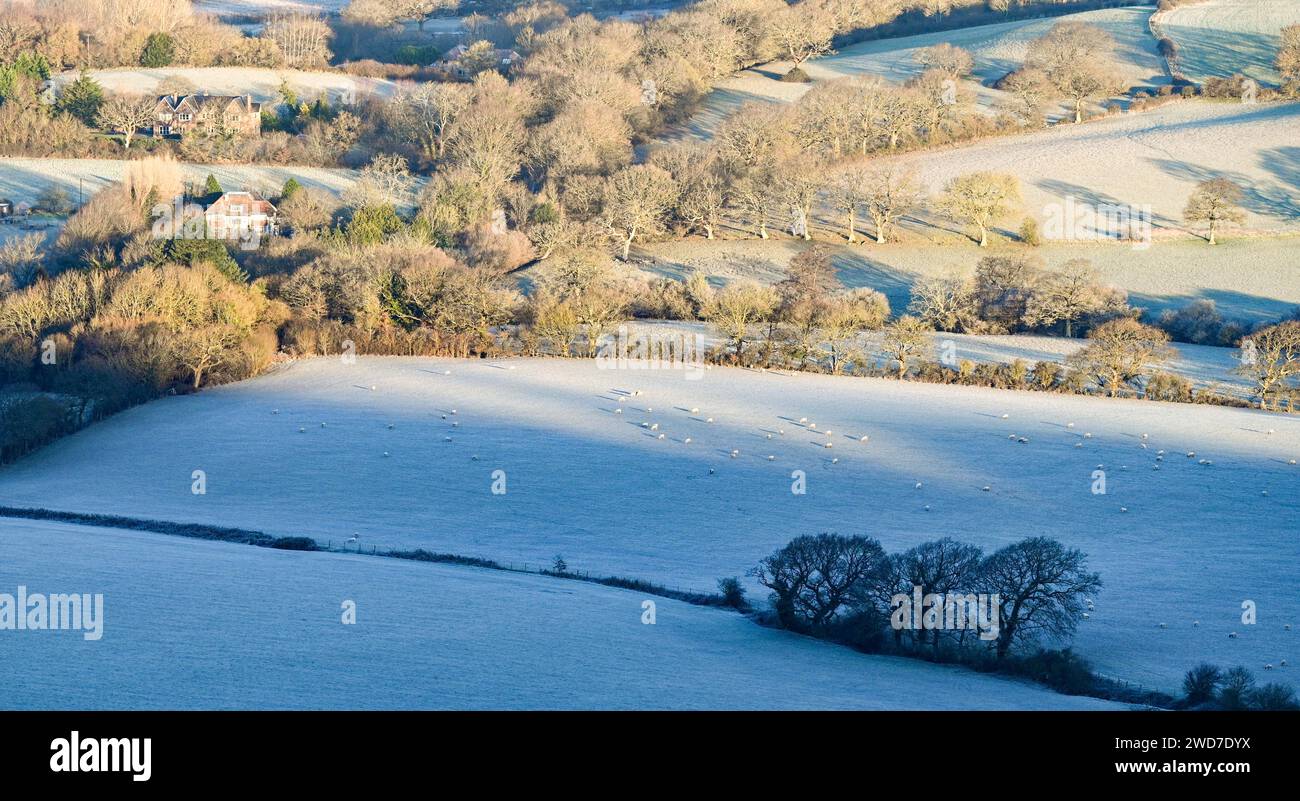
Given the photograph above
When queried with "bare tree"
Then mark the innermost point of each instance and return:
(954, 62)
(1042, 588)
(636, 200)
(946, 303)
(1271, 358)
(942, 567)
(1078, 61)
(904, 338)
(1066, 296)
(804, 30)
(738, 307)
(812, 578)
(981, 199)
(1120, 352)
(1215, 201)
(428, 111)
(303, 39)
(889, 193)
(126, 114)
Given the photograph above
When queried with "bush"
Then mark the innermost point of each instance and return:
(796, 75)
(1201, 683)
(295, 544)
(1029, 232)
(733, 593)
(159, 51)
(1274, 697)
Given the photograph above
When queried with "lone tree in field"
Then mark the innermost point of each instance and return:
(1271, 358)
(636, 200)
(954, 62)
(904, 338)
(1120, 352)
(126, 114)
(1042, 589)
(803, 31)
(1214, 202)
(811, 578)
(1076, 60)
(981, 199)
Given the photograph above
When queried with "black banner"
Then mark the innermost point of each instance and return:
(333, 749)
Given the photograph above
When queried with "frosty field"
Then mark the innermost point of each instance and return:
(1253, 279)
(1219, 38)
(251, 628)
(308, 450)
(25, 178)
(262, 84)
(996, 49)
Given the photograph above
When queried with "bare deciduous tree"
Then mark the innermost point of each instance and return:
(904, 338)
(1214, 202)
(1042, 587)
(126, 114)
(981, 199)
(1121, 351)
(812, 578)
(636, 200)
(1271, 358)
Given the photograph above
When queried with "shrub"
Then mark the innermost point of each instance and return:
(1029, 232)
(1201, 683)
(733, 592)
(159, 51)
(1274, 697)
(295, 544)
(796, 75)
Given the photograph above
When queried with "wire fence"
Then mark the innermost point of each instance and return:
(535, 568)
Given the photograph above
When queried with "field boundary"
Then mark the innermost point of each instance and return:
(261, 539)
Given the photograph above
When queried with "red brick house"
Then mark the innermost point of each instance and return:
(177, 115)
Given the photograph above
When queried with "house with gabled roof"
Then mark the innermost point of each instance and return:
(177, 115)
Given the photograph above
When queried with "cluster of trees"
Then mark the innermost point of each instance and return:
(1209, 687)
(155, 33)
(846, 587)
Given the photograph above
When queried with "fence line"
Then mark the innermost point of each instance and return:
(512, 567)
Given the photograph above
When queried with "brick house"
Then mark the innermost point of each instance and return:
(177, 115)
(236, 215)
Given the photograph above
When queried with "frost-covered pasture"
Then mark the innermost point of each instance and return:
(1251, 279)
(996, 49)
(192, 624)
(264, 7)
(263, 84)
(23, 179)
(1220, 38)
(1153, 159)
(402, 452)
